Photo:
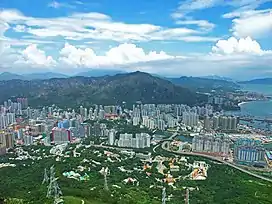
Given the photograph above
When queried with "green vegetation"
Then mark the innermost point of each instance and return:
(76, 91)
(75, 200)
(204, 84)
(224, 185)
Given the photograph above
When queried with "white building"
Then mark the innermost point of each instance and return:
(112, 137)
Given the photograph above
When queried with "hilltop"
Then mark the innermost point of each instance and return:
(75, 91)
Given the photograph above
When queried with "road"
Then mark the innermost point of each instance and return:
(170, 138)
(217, 159)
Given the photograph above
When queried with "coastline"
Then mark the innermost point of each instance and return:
(244, 102)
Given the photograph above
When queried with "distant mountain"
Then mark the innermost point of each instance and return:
(9, 76)
(99, 72)
(76, 91)
(203, 84)
(267, 81)
(46, 75)
(216, 77)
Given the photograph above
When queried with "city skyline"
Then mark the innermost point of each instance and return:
(201, 37)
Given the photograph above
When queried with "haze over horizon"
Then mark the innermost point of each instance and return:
(177, 38)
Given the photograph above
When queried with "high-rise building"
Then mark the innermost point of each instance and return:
(190, 119)
(215, 122)
(23, 102)
(141, 140)
(112, 137)
(136, 121)
(28, 140)
(228, 122)
(61, 135)
(161, 124)
(81, 111)
(249, 151)
(207, 123)
(97, 129)
(218, 144)
(7, 139)
(101, 114)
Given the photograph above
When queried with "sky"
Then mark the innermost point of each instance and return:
(230, 38)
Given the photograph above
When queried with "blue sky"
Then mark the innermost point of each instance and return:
(174, 38)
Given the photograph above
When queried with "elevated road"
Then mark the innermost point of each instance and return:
(216, 159)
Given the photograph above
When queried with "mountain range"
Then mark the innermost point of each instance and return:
(47, 75)
(76, 91)
(204, 84)
(50, 75)
(265, 81)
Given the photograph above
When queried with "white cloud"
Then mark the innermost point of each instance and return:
(228, 57)
(189, 6)
(97, 26)
(245, 13)
(243, 26)
(234, 46)
(120, 55)
(56, 5)
(36, 57)
(255, 24)
(19, 28)
(203, 24)
(198, 39)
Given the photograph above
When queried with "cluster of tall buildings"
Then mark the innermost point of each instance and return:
(221, 123)
(11, 107)
(60, 135)
(218, 144)
(141, 140)
(190, 119)
(154, 116)
(249, 151)
(6, 141)
(199, 110)
(99, 112)
(23, 102)
(7, 113)
(6, 120)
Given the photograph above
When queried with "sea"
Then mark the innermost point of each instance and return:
(257, 109)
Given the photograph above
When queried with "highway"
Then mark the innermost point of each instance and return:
(216, 159)
(170, 138)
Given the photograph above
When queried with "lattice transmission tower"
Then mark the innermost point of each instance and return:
(163, 196)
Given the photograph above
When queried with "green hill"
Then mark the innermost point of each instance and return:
(75, 91)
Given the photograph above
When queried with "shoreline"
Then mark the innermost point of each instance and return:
(245, 102)
(241, 103)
